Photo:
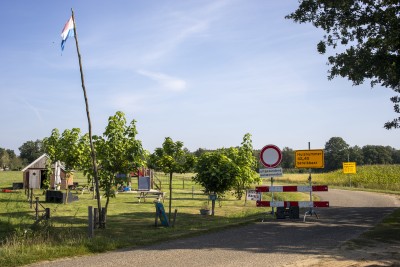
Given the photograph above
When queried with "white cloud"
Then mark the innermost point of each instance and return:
(166, 81)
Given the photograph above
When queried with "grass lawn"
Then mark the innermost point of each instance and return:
(129, 223)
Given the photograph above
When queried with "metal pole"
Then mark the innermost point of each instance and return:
(272, 196)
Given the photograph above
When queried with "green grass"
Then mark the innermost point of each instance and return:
(131, 224)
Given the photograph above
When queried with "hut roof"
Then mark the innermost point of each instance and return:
(40, 163)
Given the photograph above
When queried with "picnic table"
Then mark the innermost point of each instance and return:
(143, 194)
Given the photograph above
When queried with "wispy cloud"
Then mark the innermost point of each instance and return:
(35, 110)
(169, 82)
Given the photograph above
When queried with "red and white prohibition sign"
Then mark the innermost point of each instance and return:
(270, 156)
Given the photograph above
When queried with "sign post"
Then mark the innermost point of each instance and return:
(311, 159)
(271, 156)
(349, 168)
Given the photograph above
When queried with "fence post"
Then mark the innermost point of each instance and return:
(103, 217)
(31, 197)
(96, 218)
(37, 208)
(173, 222)
(47, 213)
(90, 222)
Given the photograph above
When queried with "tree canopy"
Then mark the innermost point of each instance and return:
(118, 151)
(31, 150)
(370, 30)
(216, 172)
(172, 158)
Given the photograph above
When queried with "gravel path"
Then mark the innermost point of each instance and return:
(270, 243)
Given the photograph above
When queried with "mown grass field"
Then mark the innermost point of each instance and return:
(131, 224)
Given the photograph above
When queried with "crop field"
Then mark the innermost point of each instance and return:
(371, 177)
(130, 223)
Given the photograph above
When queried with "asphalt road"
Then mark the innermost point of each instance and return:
(269, 243)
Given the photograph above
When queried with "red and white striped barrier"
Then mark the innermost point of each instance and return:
(300, 204)
(292, 188)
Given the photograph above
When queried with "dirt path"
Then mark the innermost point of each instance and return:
(272, 243)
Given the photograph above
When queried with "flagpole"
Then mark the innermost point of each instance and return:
(96, 180)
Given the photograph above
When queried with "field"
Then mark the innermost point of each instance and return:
(131, 224)
(371, 177)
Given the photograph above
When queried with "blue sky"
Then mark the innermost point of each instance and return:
(204, 72)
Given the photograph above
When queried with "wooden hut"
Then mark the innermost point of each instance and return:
(35, 174)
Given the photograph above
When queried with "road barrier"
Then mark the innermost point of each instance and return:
(291, 208)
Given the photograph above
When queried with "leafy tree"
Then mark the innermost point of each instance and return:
(356, 155)
(287, 158)
(216, 172)
(4, 159)
(31, 150)
(65, 148)
(370, 31)
(118, 151)
(377, 154)
(172, 158)
(52, 145)
(396, 156)
(246, 164)
(336, 152)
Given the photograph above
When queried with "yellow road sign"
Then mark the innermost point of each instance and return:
(349, 167)
(310, 159)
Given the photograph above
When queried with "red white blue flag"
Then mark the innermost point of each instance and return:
(67, 32)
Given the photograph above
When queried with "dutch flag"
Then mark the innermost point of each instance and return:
(67, 32)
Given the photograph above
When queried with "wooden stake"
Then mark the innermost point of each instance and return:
(93, 154)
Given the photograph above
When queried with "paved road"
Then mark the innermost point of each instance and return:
(271, 243)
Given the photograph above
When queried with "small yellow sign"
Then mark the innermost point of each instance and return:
(310, 159)
(349, 167)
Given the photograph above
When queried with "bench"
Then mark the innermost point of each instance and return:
(151, 194)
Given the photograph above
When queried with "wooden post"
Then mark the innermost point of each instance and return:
(173, 222)
(66, 196)
(96, 218)
(90, 222)
(37, 208)
(31, 198)
(103, 218)
(47, 213)
(93, 152)
(212, 206)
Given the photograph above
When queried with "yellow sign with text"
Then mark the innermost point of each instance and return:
(349, 167)
(310, 159)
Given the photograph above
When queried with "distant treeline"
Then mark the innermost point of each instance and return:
(336, 151)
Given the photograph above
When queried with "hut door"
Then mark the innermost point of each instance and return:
(34, 178)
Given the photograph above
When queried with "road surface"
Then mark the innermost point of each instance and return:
(269, 243)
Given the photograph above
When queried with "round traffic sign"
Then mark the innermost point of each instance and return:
(270, 156)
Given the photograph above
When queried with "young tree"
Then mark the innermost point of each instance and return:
(246, 164)
(370, 31)
(172, 158)
(216, 172)
(118, 151)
